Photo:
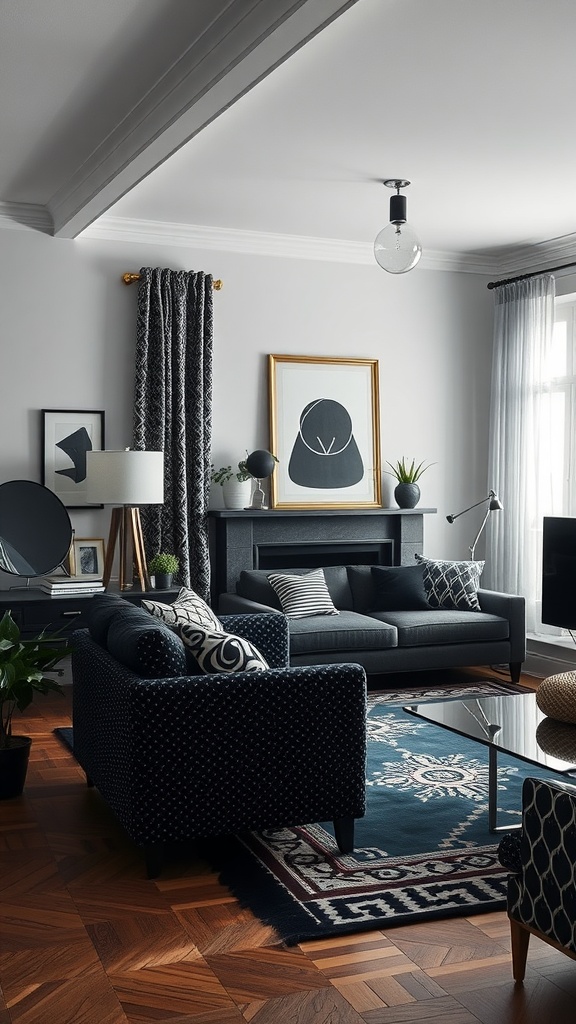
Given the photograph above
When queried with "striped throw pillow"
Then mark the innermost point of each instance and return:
(301, 596)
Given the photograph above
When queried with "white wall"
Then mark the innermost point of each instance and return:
(68, 334)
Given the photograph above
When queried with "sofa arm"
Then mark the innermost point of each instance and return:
(513, 608)
(268, 632)
(233, 604)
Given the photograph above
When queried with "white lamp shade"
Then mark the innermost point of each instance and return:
(125, 478)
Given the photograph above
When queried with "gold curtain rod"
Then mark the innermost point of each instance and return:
(132, 278)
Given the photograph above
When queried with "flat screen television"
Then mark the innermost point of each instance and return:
(559, 572)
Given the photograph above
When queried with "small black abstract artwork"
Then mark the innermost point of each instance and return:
(325, 453)
(75, 446)
(67, 437)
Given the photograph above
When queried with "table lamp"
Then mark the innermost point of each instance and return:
(260, 464)
(125, 479)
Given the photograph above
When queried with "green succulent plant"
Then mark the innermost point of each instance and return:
(407, 474)
(225, 473)
(163, 564)
(22, 667)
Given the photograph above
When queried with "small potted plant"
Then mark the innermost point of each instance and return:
(23, 664)
(407, 491)
(163, 567)
(235, 484)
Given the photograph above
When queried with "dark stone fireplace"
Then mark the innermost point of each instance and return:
(278, 539)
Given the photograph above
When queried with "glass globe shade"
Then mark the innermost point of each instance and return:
(397, 248)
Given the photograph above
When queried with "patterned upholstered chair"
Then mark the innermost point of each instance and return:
(180, 757)
(542, 860)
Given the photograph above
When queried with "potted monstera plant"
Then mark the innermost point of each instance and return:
(23, 664)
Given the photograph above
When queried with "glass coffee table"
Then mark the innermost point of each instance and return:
(507, 724)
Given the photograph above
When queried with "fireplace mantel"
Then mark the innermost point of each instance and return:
(284, 539)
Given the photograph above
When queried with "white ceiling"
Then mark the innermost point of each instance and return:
(472, 101)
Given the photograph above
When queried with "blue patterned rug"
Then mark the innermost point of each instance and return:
(422, 851)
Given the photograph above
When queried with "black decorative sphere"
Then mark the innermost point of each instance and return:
(260, 464)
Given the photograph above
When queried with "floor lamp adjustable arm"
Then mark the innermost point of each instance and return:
(472, 547)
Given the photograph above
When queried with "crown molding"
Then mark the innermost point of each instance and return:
(26, 216)
(264, 243)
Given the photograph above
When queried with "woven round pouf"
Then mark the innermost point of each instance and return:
(556, 697)
(557, 739)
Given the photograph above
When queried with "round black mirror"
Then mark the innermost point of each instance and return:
(35, 529)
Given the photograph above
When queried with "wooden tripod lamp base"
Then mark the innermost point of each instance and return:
(125, 479)
(126, 530)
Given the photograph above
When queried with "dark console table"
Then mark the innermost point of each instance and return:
(282, 539)
(33, 610)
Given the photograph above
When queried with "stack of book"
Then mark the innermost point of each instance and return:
(67, 586)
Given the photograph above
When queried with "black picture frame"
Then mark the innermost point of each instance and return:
(67, 434)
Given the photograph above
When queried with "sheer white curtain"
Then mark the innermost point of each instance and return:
(520, 467)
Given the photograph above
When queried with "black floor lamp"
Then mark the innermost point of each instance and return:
(494, 505)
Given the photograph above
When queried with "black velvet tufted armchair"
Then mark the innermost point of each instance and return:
(541, 896)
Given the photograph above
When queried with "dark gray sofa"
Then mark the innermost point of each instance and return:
(390, 641)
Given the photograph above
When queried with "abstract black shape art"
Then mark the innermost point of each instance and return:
(325, 453)
(75, 446)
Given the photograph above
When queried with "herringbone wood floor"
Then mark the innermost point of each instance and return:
(85, 938)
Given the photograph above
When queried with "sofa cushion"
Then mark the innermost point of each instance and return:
(255, 585)
(188, 607)
(219, 651)
(349, 632)
(399, 588)
(145, 645)
(101, 610)
(303, 595)
(442, 626)
(451, 584)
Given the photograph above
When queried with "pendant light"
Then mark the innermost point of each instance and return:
(397, 248)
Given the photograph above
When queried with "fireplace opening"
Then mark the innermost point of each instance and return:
(311, 555)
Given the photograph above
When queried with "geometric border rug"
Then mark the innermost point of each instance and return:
(422, 852)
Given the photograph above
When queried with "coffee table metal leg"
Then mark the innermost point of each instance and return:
(493, 794)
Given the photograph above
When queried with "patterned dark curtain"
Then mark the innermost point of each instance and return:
(173, 413)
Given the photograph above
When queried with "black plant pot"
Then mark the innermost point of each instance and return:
(163, 580)
(13, 767)
(407, 495)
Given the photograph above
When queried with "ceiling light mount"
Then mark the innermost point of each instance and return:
(397, 248)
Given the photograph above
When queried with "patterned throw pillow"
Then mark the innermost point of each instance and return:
(188, 607)
(452, 584)
(301, 596)
(218, 651)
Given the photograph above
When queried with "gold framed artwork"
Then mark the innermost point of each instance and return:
(87, 557)
(325, 432)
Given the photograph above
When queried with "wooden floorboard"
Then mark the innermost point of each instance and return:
(85, 938)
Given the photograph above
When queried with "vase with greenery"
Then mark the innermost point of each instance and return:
(407, 491)
(23, 664)
(163, 568)
(236, 484)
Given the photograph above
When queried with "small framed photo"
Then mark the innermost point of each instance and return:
(325, 432)
(87, 557)
(67, 434)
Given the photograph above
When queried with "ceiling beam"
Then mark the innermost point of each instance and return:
(243, 44)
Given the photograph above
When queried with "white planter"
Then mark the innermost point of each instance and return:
(237, 493)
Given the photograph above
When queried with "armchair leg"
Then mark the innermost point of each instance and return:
(520, 938)
(344, 832)
(515, 670)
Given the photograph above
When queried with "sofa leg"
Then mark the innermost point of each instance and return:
(344, 832)
(520, 938)
(515, 670)
(153, 858)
